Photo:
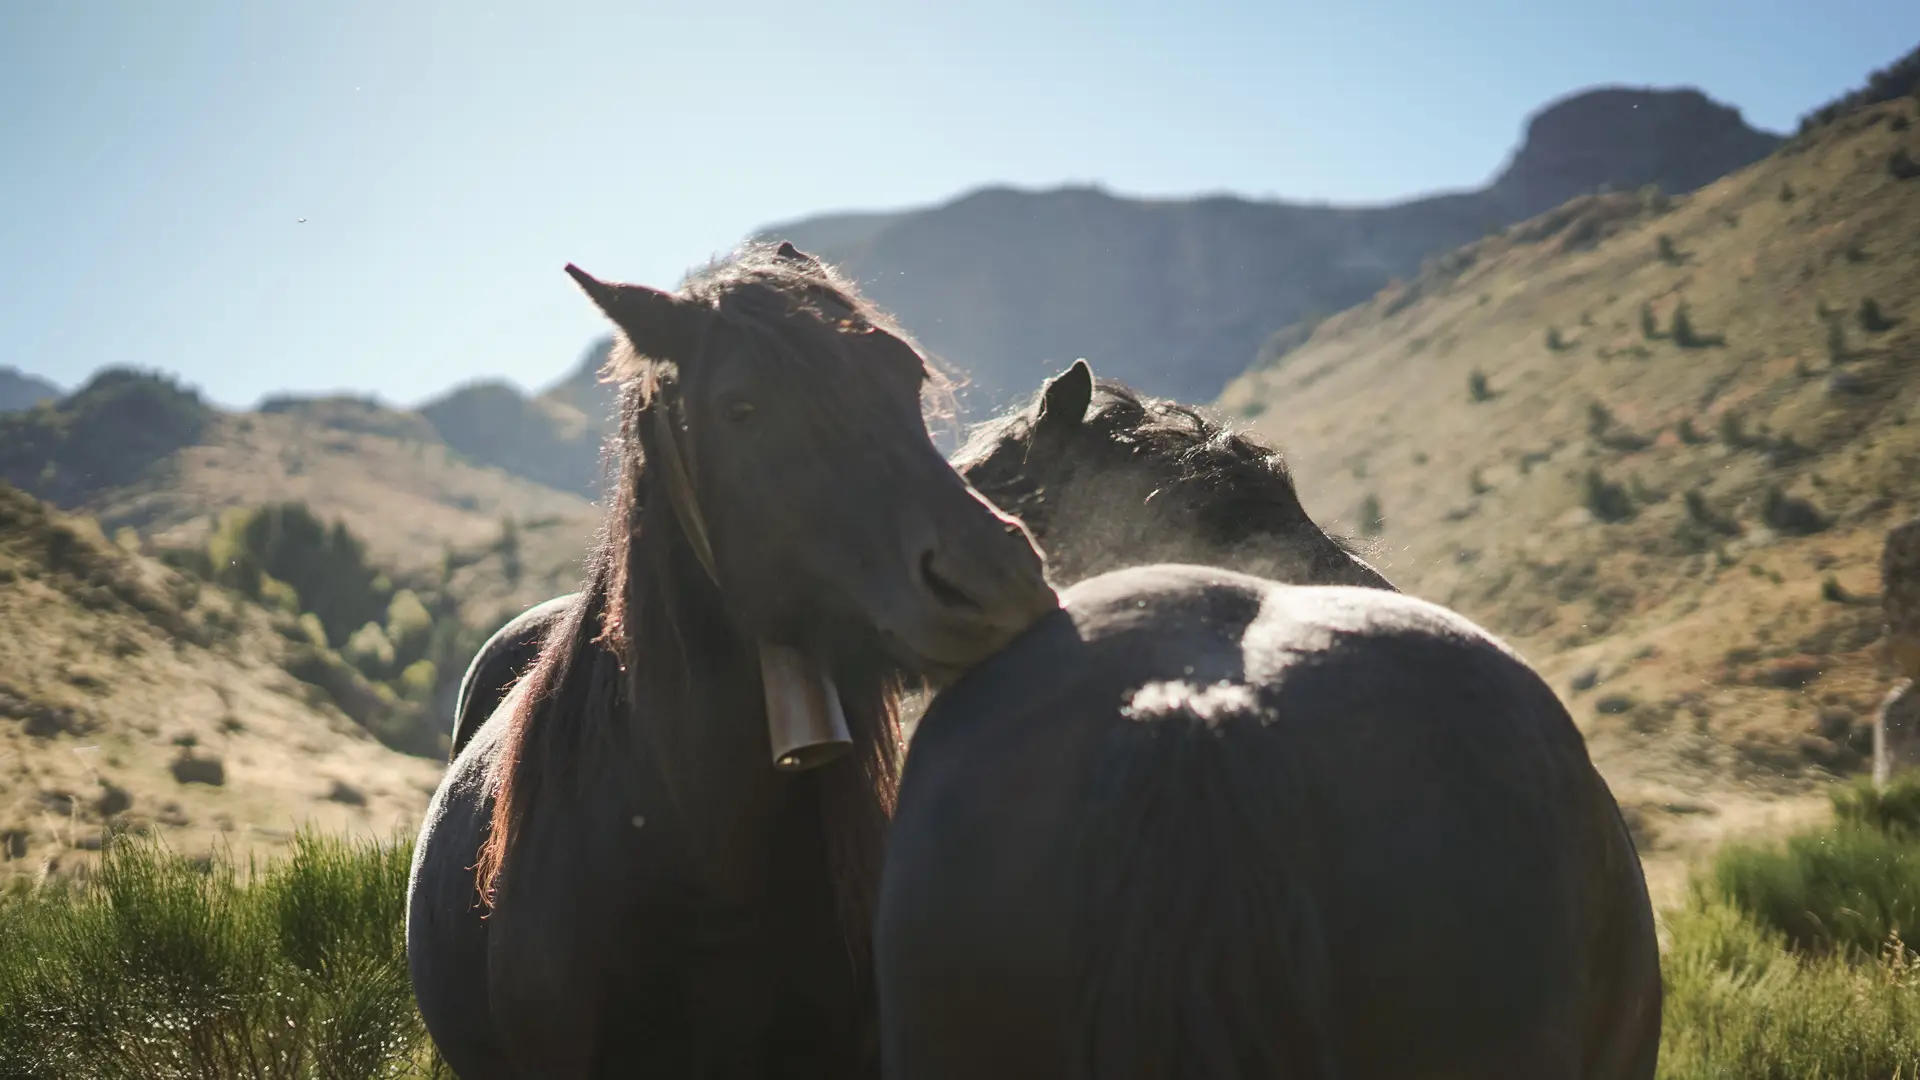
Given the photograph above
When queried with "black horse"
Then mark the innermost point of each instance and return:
(1103, 477)
(1200, 824)
(649, 861)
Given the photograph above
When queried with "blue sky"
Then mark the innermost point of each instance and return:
(450, 158)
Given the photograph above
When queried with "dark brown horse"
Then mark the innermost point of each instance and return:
(1201, 824)
(675, 873)
(1104, 478)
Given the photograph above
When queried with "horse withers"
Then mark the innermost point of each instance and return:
(1199, 823)
(659, 855)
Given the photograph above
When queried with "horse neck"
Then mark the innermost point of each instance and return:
(699, 723)
(768, 832)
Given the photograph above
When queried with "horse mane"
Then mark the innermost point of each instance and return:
(649, 617)
(1244, 486)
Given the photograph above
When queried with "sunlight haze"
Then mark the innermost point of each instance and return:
(379, 198)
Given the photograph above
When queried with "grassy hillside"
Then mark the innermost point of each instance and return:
(139, 451)
(136, 696)
(1656, 441)
(408, 498)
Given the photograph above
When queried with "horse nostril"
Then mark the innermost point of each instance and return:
(945, 591)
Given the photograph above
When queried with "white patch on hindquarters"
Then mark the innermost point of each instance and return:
(1210, 706)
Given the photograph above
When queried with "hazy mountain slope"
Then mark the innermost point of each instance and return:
(19, 390)
(137, 450)
(543, 440)
(1680, 528)
(1177, 296)
(132, 695)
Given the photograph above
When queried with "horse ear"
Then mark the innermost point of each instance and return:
(657, 324)
(793, 254)
(1066, 398)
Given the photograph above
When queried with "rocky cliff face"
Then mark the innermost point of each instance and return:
(1624, 138)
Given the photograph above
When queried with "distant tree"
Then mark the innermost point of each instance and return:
(325, 565)
(1606, 500)
(1372, 521)
(1872, 319)
(509, 548)
(1477, 388)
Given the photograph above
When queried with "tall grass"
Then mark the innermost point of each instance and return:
(160, 967)
(1788, 959)
(1741, 1005)
(1786, 963)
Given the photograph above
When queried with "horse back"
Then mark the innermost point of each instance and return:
(1199, 818)
(504, 657)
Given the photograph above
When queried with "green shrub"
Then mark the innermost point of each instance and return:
(279, 595)
(417, 682)
(310, 626)
(409, 626)
(369, 651)
(1840, 890)
(1894, 810)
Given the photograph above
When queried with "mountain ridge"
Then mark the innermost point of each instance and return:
(1176, 296)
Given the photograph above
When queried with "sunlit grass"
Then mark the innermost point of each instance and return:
(1787, 962)
(159, 967)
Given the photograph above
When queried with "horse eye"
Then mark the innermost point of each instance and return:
(739, 411)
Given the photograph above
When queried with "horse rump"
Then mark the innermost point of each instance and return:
(1201, 951)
